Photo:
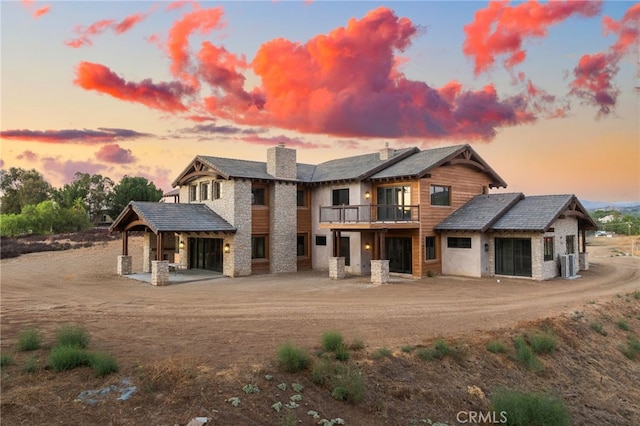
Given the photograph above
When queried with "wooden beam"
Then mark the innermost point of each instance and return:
(125, 243)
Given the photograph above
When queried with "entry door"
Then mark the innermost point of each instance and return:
(205, 253)
(398, 251)
(513, 256)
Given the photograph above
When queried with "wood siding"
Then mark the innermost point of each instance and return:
(465, 183)
(260, 220)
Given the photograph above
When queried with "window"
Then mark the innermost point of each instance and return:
(345, 250)
(440, 195)
(340, 197)
(571, 247)
(217, 190)
(193, 192)
(513, 256)
(321, 240)
(204, 191)
(548, 248)
(301, 198)
(430, 248)
(459, 242)
(394, 202)
(302, 245)
(258, 197)
(258, 247)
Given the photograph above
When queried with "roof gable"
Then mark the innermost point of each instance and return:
(480, 213)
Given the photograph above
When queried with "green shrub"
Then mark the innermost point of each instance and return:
(72, 335)
(632, 349)
(331, 340)
(357, 345)
(439, 350)
(597, 327)
(323, 371)
(525, 355)
(543, 343)
(31, 366)
(29, 340)
(636, 294)
(68, 357)
(293, 358)
(381, 353)
(407, 348)
(349, 386)
(342, 354)
(103, 364)
(622, 325)
(496, 346)
(522, 408)
(6, 360)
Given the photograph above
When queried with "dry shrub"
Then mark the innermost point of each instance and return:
(169, 376)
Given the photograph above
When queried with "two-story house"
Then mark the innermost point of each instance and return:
(350, 215)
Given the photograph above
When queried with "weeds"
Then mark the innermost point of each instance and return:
(357, 345)
(525, 355)
(496, 346)
(382, 353)
(68, 357)
(439, 350)
(6, 360)
(530, 408)
(103, 364)
(622, 325)
(543, 343)
(632, 349)
(70, 335)
(342, 354)
(332, 340)
(636, 294)
(29, 340)
(323, 371)
(407, 349)
(349, 386)
(31, 365)
(293, 358)
(597, 327)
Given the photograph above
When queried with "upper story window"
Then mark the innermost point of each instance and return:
(440, 195)
(217, 190)
(340, 197)
(204, 191)
(258, 196)
(193, 192)
(301, 198)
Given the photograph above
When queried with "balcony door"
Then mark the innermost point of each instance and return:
(394, 203)
(399, 253)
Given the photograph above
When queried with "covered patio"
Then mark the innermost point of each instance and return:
(167, 229)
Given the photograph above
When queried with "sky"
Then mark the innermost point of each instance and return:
(548, 93)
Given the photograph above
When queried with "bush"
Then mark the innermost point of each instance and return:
(68, 357)
(632, 349)
(622, 325)
(440, 350)
(342, 354)
(103, 364)
(543, 343)
(356, 345)
(323, 371)
(525, 355)
(523, 408)
(29, 340)
(496, 346)
(349, 386)
(597, 327)
(6, 360)
(70, 335)
(31, 366)
(331, 340)
(381, 353)
(636, 294)
(293, 358)
(407, 348)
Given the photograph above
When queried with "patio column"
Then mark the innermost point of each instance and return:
(124, 265)
(160, 272)
(379, 271)
(336, 268)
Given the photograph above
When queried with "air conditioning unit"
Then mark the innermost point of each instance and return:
(567, 265)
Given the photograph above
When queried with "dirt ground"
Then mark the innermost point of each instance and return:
(205, 340)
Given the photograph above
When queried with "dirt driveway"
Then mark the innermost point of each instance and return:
(243, 320)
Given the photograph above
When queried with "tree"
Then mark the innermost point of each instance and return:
(94, 191)
(133, 189)
(22, 188)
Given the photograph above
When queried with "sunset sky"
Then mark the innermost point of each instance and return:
(547, 93)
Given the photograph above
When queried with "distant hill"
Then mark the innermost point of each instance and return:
(633, 206)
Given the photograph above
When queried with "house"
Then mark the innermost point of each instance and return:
(513, 235)
(379, 213)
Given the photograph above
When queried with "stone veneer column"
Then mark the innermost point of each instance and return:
(336, 268)
(147, 244)
(583, 260)
(125, 265)
(379, 271)
(283, 254)
(238, 261)
(160, 272)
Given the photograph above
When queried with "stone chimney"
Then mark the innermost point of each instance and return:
(386, 152)
(281, 162)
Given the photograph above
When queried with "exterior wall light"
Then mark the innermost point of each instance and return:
(367, 195)
(181, 245)
(227, 248)
(367, 246)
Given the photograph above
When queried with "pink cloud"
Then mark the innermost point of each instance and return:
(80, 136)
(85, 34)
(290, 142)
(28, 155)
(113, 153)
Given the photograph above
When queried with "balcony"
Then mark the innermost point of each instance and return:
(370, 216)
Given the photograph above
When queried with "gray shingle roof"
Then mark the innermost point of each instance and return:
(479, 213)
(419, 163)
(231, 167)
(534, 213)
(170, 217)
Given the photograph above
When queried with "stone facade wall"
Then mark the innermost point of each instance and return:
(281, 162)
(238, 261)
(336, 268)
(149, 242)
(561, 228)
(283, 228)
(379, 271)
(125, 265)
(160, 272)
